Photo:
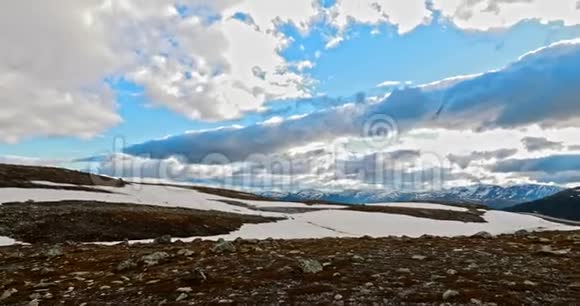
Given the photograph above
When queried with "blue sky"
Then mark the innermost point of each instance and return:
(371, 51)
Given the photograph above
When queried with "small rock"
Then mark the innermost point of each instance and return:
(46, 271)
(419, 257)
(483, 235)
(165, 239)
(451, 272)
(126, 265)
(357, 258)
(449, 294)
(338, 297)
(365, 291)
(105, 287)
(196, 276)
(44, 285)
(54, 251)
(547, 250)
(521, 233)
(530, 283)
(8, 293)
(310, 266)
(404, 270)
(185, 252)
(185, 290)
(223, 246)
(35, 296)
(34, 303)
(181, 297)
(225, 301)
(154, 258)
(475, 302)
(575, 285)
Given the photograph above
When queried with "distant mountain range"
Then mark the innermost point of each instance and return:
(563, 205)
(489, 195)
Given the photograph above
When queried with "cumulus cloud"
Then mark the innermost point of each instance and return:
(52, 62)
(484, 15)
(540, 143)
(405, 15)
(465, 161)
(190, 56)
(204, 63)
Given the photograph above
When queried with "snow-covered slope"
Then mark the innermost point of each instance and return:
(327, 221)
(337, 223)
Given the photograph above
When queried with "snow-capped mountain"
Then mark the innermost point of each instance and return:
(489, 195)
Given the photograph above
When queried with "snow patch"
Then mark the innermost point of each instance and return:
(422, 205)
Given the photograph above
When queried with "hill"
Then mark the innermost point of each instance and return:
(563, 205)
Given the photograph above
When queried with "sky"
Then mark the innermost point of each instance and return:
(293, 95)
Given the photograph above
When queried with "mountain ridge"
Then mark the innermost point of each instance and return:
(493, 196)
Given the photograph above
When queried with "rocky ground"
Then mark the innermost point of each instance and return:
(527, 268)
(90, 221)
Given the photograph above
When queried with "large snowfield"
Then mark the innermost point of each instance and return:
(333, 221)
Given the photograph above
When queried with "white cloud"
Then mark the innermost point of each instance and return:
(56, 55)
(268, 14)
(52, 62)
(30, 161)
(333, 42)
(406, 15)
(389, 83)
(484, 15)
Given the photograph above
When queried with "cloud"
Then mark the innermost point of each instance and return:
(570, 178)
(206, 64)
(548, 164)
(52, 63)
(389, 84)
(465, 161)
(30, 161)
(190, 56)
(405, 15)
(540, 143)
(239, 143)
(544, 83)
(318, 167)
(484, 15)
